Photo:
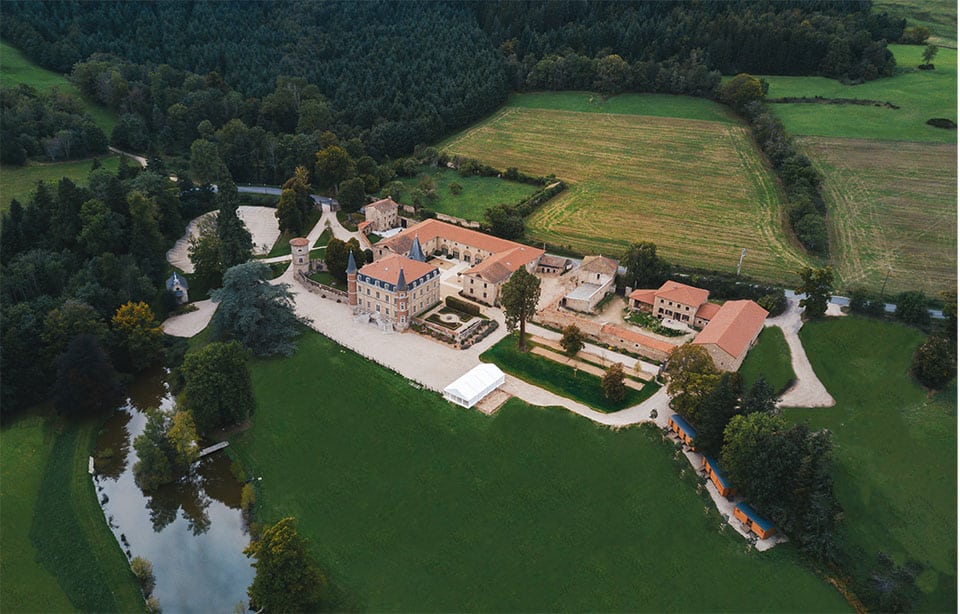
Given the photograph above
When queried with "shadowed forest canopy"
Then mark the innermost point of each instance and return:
(397, 74)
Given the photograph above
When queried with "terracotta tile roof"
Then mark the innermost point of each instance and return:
(557, 262)
(431, 229)
(600, 264)
(387, 269)
(500, 266)
(683, 294)
(644, 296)
(733, 327)
(299, 242)
(364, 224)
(707, 311)
(383, 205)
(634, 337)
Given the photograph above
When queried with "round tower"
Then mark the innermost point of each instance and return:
(403, 309)
(351, 280)
(300, 251)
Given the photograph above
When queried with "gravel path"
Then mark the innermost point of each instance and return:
(807, 391)
(190, 324)
(260, 221)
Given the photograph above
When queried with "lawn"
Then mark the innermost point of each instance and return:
(892, 212)
(920, 94)
(698, 189)
(654, 105)
(558, 378)
(895, 449)
(49, 498)
(20, 182)
(282, 245)
(478, 195)
(414, 504)
(24, 447)
(15, 69)
(769, 358)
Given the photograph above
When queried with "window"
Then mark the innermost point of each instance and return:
(403, 306)
(378, 307)
(387, 310)
(484, 295)
(378, 296)
(484, 284)
(368, 293)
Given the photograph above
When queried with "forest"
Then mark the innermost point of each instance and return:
(416, 71)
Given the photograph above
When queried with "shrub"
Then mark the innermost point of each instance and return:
(912, 308)
(457, 303)
(456, 188)
(775, 303)
(935, 362)
(143, 570)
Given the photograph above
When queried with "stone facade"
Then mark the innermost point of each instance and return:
(382, 215)
(394, 289)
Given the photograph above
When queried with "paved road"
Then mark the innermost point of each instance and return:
(273, 191)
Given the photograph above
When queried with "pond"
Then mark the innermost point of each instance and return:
(192, 531)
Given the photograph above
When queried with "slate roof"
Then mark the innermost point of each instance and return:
(176, 279)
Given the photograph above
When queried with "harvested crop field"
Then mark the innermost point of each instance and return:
(695, 188)
(891, 204)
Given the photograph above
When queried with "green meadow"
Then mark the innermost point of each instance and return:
(770, 359)
(654, 105)
(940, 16)
(478, 193)
(15, 69)
(20, 182)
(413, 504)
(920, 94)
(895, 450)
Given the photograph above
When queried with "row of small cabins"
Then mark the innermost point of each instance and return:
(742, 511)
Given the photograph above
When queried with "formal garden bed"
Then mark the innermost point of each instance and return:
(650, 323)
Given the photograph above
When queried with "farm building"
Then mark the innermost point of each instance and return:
(595, 279)
(731, 332)
(470, 388)
(757, 523)
(675, 301)
(713, 472)
(552, 265)
(381, 215)
(682, 428)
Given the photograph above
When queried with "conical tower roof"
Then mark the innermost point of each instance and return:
(351, 264)
(416, 251)
(401, 282)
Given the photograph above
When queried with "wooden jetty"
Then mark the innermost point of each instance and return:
(214, 448)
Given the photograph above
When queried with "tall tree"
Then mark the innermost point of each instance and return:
(817, 284)
(929, 52)
(287, 578)
(612, 383)
(691, 376)
(217, 389)
(86, 381)
(518, 297)
(295, 202)
(644, 268)
(337, 255)
(255, 312)
(166, 448)
(912, 308)
(716, 410)
(760, 397)
(572, 339)
(333, 165)
(146, 240)
(138, 334)
(935, 362)
(236, 244)
(204, 252)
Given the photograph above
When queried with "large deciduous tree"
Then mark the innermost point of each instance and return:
(337, 255)
(691, 376)
(138, 334)
(287, 579)
(912, 308)
(572, 339)
(715, 412)
(295, 203)
(817, 284)
(644, 268)
(255, 312)
(204, 252)
(165, 449)
(612, 383)
(86, 380)
(518, 297)
(742, 90)
(334, 165)
(217, 390)
(935, 362)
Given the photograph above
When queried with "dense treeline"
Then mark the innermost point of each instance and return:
(52, 126)
(397, 74)
(82, 280)
(844, 40)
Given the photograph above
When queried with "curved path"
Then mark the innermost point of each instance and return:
(807, 391)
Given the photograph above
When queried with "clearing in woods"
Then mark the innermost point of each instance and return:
(697, 189)
(891, 205)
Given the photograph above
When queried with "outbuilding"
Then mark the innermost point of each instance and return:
(713, 472)
(757, 523)
(470, 388)
(682, 428)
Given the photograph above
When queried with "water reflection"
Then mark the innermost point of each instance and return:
(192, 531)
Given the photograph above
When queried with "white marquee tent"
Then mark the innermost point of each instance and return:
(473, 385)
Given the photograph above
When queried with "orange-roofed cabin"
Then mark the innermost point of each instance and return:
(713, 472)
(757, 523)
(682, 428)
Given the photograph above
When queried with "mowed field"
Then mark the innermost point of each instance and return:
(20, 182)
(695, 188)
(892, 206)
(920, 94)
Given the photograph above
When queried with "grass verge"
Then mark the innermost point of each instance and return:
(414, 504)
(895, 449)
(68, 533)
(558, 378)
(769, 358)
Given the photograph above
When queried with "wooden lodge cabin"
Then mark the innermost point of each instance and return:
(682, 428)
(757, 523)
(713, 472)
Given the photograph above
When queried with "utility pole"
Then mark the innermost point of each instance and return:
(885, 278)
(743, 252)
